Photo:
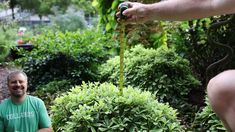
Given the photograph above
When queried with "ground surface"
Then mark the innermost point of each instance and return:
(3, 85)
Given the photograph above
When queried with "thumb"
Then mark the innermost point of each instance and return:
(129, 12)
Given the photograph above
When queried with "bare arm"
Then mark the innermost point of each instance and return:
(178, 10)
(190, 9)
(44, 119)
(45, 130)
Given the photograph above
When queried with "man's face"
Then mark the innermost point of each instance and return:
(17, 85)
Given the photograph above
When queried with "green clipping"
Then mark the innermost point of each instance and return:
(122, 48)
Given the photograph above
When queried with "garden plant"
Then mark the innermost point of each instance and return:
(74, 67)
(99, 107)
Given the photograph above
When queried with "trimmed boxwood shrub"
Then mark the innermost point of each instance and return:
(207, 121)
(100, 108)
(160, 71)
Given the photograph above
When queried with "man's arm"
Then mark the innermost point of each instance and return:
(177, 10)
(44, 119)
(45, 130)
(190, 9)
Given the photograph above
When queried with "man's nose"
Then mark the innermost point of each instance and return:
(18, 83)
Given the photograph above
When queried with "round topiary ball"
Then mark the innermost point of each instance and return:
(161, 71)
(96, 107)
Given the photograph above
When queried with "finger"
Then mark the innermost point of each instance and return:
(130, 12)
(118, 14)
(118, 19)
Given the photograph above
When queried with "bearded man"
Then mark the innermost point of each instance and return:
(22, 112)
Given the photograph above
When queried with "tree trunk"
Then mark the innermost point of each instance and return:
(40, 17)
(13, 13)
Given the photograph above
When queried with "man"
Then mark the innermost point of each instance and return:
(221, 88)
(22, 112)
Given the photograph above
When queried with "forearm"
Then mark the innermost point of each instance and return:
(189, 9)
(45, 130)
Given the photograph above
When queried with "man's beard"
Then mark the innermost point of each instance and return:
(18, 93)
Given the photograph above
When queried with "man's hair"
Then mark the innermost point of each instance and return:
(10, 75)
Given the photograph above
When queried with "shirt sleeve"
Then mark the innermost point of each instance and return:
(44, 119)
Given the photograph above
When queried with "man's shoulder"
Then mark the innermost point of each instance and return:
(34, 98)
(4, 103)
(35, 101)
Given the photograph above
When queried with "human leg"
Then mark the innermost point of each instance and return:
(221, 93)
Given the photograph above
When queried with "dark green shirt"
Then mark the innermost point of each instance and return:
(29, 116)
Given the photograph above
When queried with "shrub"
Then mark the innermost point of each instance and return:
(160, 71)
(50, 91)
(69, 56)
(99, 107)
(7, 40)
(3, 48)
(207, 121)
(51, 67)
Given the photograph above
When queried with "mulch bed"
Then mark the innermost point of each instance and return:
(4, 71)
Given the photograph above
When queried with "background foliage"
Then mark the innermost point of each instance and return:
(207, 120)
(53, 89)
(71, 20)
(71, 55)
(7, 39)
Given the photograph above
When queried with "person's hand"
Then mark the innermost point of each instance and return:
(136, 13)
